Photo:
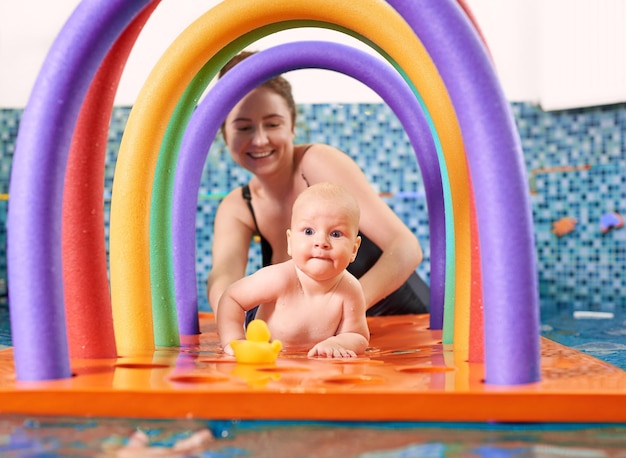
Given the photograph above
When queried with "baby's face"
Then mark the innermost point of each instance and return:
(323, 239)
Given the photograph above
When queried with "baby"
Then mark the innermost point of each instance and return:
(310, 302)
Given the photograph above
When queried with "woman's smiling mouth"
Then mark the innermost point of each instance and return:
(260, 155)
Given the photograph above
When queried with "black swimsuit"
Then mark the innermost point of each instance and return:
(411, 298)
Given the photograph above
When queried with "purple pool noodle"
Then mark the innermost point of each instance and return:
(37, 175)
(206, 120)
(493, 148)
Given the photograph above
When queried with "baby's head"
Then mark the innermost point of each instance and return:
(325, 222)
(328, 197)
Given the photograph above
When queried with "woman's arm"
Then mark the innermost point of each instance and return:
(231, 244)
(402, 252)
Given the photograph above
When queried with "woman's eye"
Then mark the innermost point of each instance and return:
(275, 121)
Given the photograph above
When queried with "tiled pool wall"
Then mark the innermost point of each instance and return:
(575, 159)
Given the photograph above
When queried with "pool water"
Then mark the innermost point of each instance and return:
(601, 334)
(21, 436)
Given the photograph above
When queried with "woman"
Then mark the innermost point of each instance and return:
(260, 133)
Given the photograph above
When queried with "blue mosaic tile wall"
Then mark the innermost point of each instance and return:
(577, 166)
(576, 162)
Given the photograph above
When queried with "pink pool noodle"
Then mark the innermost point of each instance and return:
(493, 148)
(252, 71)
(37, 307)
(86, 282)
(477, 319)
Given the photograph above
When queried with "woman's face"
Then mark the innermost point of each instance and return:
(259, 131)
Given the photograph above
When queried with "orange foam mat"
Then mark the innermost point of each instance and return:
(407, 374)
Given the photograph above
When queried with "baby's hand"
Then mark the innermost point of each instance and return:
(229, 350)
(331, 350)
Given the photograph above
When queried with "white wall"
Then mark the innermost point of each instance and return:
(559, 53)
(583, 53)
(515, 30)
(26, 37)
(511, 29)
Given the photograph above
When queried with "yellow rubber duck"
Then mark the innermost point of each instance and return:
(257, 348)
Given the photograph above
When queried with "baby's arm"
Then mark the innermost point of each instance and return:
(259, 288)
(231, 316)
(352, 337)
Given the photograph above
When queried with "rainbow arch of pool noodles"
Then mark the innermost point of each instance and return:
(517, 380)
(186, 296)
(130, 279)
(460, 209)
(207, 118)
(161, 269)
(161, 232)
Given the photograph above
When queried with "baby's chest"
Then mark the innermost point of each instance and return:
(297, 316)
